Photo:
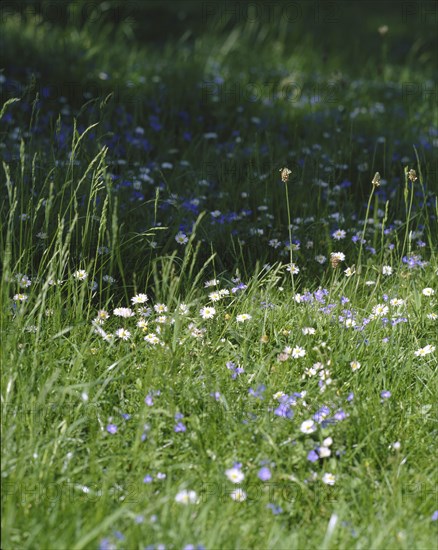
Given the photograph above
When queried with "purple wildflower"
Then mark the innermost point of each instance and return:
(265, 473)
(313, 456)
(275, 509)
(284, 410)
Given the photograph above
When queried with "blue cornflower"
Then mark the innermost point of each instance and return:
(340, 415)
(284, 410)
(264, 474)
(106, 544)
(321, 414)
(235, 370)
(179, 426)
(313, 456)
(258, 393)
(111, 428)
(275, 509)
(385, 394)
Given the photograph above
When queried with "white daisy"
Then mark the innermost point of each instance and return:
(298, 351)
(329, 479)
(308, 427)
(235, 475)
(186, 497)
(123, 334)
(207, 312)
(139, 299)
(238, 495)
(243, 317)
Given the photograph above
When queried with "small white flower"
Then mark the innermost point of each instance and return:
(102, 315)
(425, 351)
(279, 395)
(324, 452)
(428, 291)
(215, 296)
(329, 479)
(308, 330)
(339, 234)
(207, 312)
(123, 334)
(293, 269)
(349, 271)
(243, 317)
(387, 270)
(160, 308)
(213, 282)
(181, 238)
(123, 312)
(275, 243)
(235, 475)
(80, 274)
(308, 427)
(139, 299)
(152, 339)
(186, 497)
(355, 365)
(320, 259)
(432, 316)
(380, 310)
(183, 309)
(24, 281)
(238, 495)
(143, 324)
(298, 351)
(20, 297)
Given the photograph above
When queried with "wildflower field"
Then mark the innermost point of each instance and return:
(219, 251)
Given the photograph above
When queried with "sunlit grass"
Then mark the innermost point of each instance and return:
(195, 352)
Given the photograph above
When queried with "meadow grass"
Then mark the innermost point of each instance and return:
(199, 350)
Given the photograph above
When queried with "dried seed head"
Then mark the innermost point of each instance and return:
(335, 262)
(412, 175)
(336, 258)
(376, 180)
(285, 173)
